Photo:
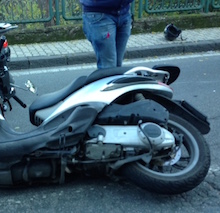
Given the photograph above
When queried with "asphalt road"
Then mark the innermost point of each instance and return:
(199, 83)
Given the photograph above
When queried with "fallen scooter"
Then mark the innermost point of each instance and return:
(121, 121)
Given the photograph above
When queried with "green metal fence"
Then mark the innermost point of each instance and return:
(26, 11)
(215, 4)
(71, 10)
(58, 11)
(158, 6)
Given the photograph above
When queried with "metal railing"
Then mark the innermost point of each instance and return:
(26, 11)
(215, 4)
(58, 11)
(158, 6)
(71, 10)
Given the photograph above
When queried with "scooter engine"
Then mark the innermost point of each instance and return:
(155, 136)
(109, 141)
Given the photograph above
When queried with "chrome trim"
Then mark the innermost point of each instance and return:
(160, 75)
(1, 117)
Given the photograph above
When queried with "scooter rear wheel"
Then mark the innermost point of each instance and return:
(181, 174)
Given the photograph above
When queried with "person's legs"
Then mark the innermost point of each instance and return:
(122, 36)
(100, 30)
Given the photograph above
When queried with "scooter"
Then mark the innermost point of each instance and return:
(121, 122)
(4, 27)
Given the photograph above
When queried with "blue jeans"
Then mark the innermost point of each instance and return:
(108, 35)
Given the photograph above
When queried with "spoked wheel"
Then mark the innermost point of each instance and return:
(179, 173)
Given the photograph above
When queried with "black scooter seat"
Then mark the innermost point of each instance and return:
(50, 99)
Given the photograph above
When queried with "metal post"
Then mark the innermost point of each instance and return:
(133, 7)
(206, 8)
(57, 12)
(140, 9)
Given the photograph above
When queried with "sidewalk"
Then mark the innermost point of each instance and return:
(139, 46)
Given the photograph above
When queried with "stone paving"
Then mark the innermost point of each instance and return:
(140, 45)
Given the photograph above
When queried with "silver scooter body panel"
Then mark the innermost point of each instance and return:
(105, 91)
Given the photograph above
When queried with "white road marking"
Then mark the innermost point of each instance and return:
(126, 62)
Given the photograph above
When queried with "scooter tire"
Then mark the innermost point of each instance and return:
(145, 176)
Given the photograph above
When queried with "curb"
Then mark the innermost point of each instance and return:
(131, 53)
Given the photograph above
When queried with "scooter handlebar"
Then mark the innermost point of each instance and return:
(19, 101)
